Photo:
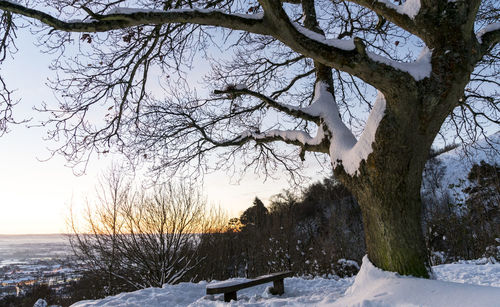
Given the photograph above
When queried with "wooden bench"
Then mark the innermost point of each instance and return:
(229, 288)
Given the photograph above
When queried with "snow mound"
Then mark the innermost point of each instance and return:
(374, 287)
(371, 287)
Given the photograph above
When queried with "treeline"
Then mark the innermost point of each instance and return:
(313, 233)
(463, 222)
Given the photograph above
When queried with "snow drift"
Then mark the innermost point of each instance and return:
(374, 287)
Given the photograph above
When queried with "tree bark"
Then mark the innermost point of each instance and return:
(393, 230)
(387, 189)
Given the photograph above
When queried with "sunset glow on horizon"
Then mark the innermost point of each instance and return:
(35, 196)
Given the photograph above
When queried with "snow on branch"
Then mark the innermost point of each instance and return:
(410, 8)
(344, 44)
(402, 15)
(343, 147)
(350, 152)
(120, 18)
(490, 34)
(345, 55)
(419, 69)
(127, 10)
(323, 111)
(295, 137)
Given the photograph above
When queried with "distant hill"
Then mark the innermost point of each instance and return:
(446, 174)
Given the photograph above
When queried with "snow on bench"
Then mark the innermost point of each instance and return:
(229, 288)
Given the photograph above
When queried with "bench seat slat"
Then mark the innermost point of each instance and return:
(224, 287)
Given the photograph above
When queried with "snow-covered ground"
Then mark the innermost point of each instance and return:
(468, 283)
(461, 284)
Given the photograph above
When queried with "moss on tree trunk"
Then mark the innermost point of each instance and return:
(393, 232)
(388, 191)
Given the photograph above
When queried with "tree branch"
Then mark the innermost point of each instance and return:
(287, 109)
(252, 23)
(292, 137)
(488, 37)
(343, 55)
(339, 54)
(392, 13)
(277, 93)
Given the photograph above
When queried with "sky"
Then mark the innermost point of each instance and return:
(36, 193)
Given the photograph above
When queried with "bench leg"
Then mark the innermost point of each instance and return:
(230, 296)
(278, 287)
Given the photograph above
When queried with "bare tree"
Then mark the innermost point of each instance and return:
(96, 243)
(264, 94)
(142, 241)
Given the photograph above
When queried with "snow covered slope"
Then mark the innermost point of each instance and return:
(456, 285)
(458, 162)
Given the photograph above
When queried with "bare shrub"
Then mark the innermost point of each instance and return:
(137, 240)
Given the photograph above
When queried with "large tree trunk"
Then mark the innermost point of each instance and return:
(392, 226)
(388, 191)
